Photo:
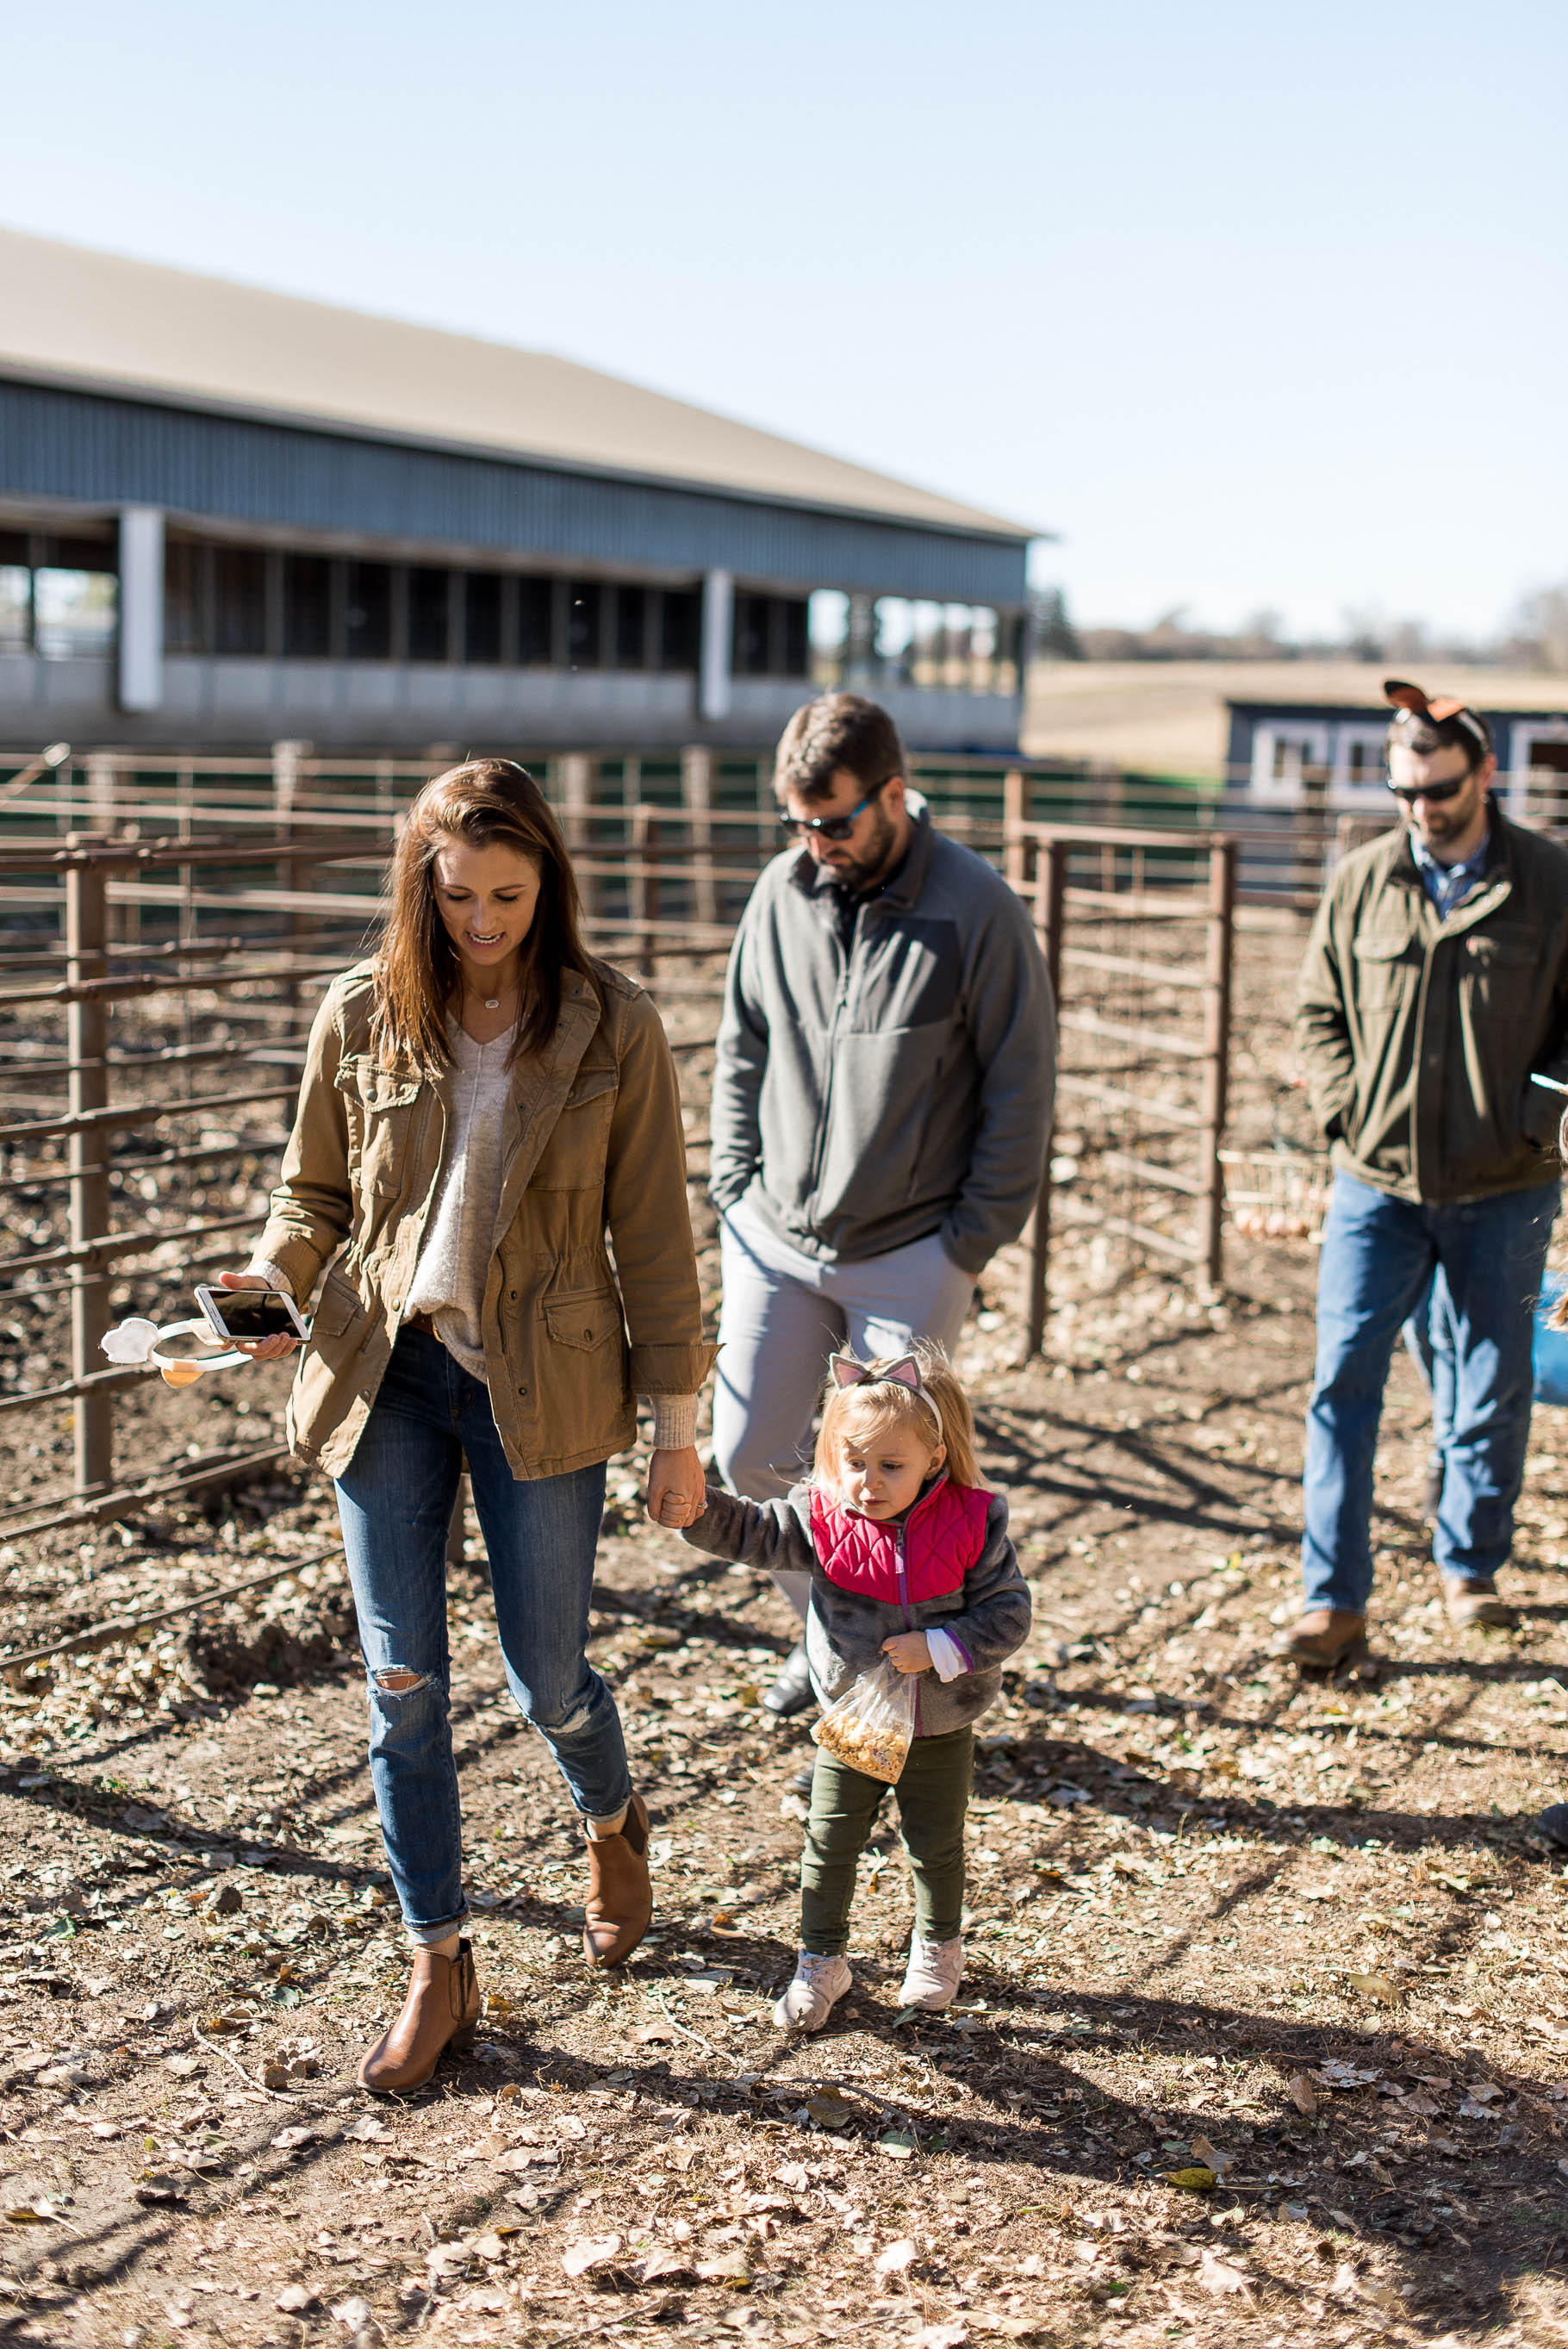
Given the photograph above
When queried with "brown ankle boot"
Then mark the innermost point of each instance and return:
(1322, 1639)
(439, 2012)
(620, 1904)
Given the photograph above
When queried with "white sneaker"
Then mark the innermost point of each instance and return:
(935, 1970)
(818, 1984)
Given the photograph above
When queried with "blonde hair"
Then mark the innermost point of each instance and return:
(937, 1412)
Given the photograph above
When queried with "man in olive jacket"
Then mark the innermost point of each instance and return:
(1435, 987)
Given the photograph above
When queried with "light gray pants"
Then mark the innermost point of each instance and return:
(783, 1314)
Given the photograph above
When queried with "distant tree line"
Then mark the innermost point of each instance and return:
(1536, 638)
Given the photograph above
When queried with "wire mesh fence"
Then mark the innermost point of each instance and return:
(170, 930)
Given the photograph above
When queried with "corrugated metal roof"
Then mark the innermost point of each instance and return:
(95, 319)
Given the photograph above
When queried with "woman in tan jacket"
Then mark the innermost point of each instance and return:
(483, 1105)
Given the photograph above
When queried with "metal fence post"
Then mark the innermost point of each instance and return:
(1014, 847)
(696, 798)
(86, 936)
(1050, 901)
(578, 790)
(1217, 1050)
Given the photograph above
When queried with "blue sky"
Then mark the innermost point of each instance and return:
(1255, 306)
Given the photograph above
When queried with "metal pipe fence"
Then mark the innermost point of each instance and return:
(147, 954)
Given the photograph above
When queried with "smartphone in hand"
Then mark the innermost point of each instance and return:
(242, 1316)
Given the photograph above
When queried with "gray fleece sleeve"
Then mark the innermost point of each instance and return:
(997, 1609)
(1012, 1023)
(740, 1061)
(766, 1534)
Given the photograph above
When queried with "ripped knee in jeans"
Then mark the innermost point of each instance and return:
(398, 1680)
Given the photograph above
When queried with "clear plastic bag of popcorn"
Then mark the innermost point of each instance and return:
(871, 1726)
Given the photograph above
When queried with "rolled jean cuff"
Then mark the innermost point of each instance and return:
(430, 1937)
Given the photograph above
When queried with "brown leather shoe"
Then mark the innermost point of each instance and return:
(1469, 1603)
(439, 2012)
(1322, 1638)
(620, 1905)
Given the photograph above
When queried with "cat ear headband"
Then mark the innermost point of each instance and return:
(906, 1372)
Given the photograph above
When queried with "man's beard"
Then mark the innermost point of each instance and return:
(859, 873)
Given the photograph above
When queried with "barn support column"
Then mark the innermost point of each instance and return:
(718, 628)
(140, 607)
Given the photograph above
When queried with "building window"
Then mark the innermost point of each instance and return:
(15, 593)
(367, 611)
(73, 612)
(751, 649)
(582, 624)
(429, 615)
(770, 635)
(239, 599)
(535, 622)
(184, 586)
(481, 618)
(680, 628)
(630, 606)
(944, 648)
(794, 662)
(308, 606)
(827, 631)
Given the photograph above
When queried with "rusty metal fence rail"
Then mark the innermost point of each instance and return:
(155, 992)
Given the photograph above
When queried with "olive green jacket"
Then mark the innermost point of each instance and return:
(593, 1141)
(1419, 1034)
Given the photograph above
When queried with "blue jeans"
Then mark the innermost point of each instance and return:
(1379, 1254)
(395, 1500)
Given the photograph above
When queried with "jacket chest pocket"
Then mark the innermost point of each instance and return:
(379, 1104)
(577, 1153)
(1386, 962)
(1501, 966)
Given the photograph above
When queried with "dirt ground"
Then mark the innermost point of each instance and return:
(1263, 2036)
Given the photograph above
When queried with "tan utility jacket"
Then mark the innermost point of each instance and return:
(593, 1141)
(1419, 1034)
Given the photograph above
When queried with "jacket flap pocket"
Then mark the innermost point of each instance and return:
(377, 1087)
(1381, 946)
(585, 1321)
(337, 1307)
(588, 1085)
(1516, 947)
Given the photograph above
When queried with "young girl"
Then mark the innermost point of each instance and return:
(909, 1558)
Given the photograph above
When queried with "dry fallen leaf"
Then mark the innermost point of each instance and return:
(295, 2299)
(662, 2266)
(1378, 1987)
(898, 2256)
(589, 2251)
(1217, 2275)
(941, 2336)
(1300, 2091)
(1209, 2154)
(653, 2034)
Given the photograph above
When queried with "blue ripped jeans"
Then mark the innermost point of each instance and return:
(395, 1500)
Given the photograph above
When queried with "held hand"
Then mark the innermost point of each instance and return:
(260, 1350)
(908, 1651)
(677, 1494)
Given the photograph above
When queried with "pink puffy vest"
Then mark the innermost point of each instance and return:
(944, 1536)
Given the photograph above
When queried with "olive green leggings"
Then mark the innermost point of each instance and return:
(933, 1799)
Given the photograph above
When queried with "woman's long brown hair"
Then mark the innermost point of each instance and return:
(487, 803)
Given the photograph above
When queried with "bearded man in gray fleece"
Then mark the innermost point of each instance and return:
(881, 1098)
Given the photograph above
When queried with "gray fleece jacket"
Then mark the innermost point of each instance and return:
(885, 1067)
(987, 1614)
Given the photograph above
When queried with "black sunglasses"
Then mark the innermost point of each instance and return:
(831, 827)
(1435, 793)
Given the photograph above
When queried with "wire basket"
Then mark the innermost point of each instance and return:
(1277, 1195)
